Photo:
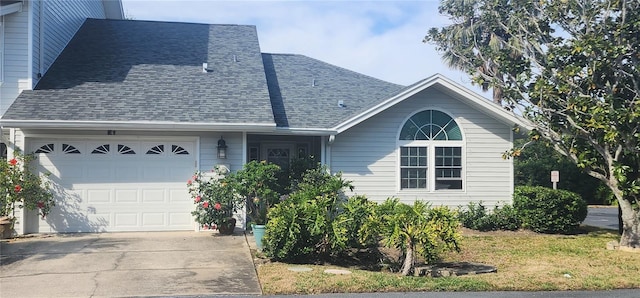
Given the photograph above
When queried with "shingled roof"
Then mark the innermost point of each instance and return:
(118, 71)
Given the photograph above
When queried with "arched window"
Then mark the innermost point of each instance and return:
(431, 149)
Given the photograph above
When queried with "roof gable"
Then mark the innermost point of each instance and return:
(446, 85)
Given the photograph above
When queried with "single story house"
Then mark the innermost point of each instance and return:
(131, 109)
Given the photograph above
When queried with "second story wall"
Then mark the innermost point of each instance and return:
(55, 23)
(14, 58)
(33, 38)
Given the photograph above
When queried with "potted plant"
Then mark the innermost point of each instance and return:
(215, 200)
(21, 188)
(257, 183)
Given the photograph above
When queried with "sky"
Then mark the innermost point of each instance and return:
(382, 39)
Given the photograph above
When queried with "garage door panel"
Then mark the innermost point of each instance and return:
(178, 195)
(153, 219)
(117, 185)
(123, 195)
(125, 220)
(153, 195)
(98, 196)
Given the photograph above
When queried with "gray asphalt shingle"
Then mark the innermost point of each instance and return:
(305, 92)
(152, 71)
(115, 70)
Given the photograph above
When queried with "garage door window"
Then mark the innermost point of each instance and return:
(48, 148)
(102, 149)
(124, 149)
(156, 150)
(69, 149)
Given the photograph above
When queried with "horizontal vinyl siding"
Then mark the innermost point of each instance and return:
(367, 154)
(61, 20)
(15, 59)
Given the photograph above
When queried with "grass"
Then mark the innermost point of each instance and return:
(525, 262)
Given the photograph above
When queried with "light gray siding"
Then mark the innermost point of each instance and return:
(57, 23)
(15, 58)
(367, 154)
(33, 39)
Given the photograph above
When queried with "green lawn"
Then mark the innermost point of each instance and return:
(526, 261)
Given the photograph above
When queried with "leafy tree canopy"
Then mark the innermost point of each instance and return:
(568, 66)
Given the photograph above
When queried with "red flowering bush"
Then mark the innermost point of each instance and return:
(216, 200)
(22, 188)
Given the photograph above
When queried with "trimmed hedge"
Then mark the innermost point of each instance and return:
(545, 210)
(476, 217)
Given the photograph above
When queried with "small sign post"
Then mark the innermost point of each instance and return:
(555, 178)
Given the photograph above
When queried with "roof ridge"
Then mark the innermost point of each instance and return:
(336, 66)
(169, 22)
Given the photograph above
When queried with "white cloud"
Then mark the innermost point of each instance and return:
(382, 39)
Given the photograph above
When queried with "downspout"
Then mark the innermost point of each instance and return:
(332, 139)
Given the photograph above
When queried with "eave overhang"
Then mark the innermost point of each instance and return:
(465, 95)
(137, 125)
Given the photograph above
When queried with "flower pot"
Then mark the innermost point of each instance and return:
(258, 233)
(227, 227)
(6, 228)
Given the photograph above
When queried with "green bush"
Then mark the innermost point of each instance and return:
(546, 210)
(472, 216)
(308, 222)
(538, 159)
(476, 217)
(353, 216)
(417, 230)
(505, 218)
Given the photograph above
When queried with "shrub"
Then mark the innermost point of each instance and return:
(546, 210)
(476, 217)
(307, 223)
(354, 214)
(22, 188)
(472, 216)
(538, 159)
(215, 200)
(505, 218)
(417, 230)
(257, 183)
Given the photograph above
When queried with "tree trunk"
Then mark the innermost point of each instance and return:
(630, 238)
(409, 260)
(497, 95)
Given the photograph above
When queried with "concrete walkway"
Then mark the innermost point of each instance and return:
(127, 264)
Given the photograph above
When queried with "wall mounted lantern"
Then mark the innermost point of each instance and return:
(222, 149)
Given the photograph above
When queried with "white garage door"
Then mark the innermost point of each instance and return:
(122, 185)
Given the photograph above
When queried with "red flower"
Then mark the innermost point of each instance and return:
(198, 199)
(40, 205)
(205, 204)
(13, 162)
(18, 188)
(217, 206)
(189, 182)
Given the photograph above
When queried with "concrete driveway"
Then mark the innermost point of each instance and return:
(127, 264)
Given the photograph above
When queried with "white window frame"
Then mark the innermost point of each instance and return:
(431, 157)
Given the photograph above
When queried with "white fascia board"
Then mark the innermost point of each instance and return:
(465, 94)
(404, 94)
(484, 105)
(135, 125)
(10, 8)
(306, 131)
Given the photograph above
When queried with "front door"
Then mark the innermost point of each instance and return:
(279, 154)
